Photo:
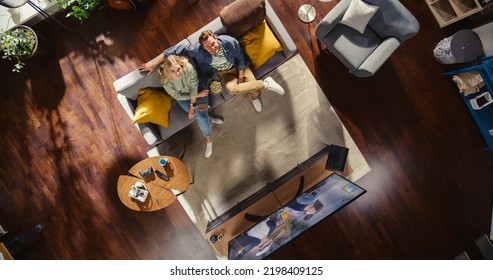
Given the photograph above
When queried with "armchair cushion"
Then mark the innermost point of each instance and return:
(153, 105)
(393, 20)
(242, 15)
(260, 44)
(358, 15)
(352, 47)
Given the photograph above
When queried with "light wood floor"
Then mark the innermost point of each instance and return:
(65, 140)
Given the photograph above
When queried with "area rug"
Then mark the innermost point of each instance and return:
(252, 149)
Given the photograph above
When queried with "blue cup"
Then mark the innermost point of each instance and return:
(163, 161)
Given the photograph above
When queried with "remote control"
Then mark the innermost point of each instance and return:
(161, 175)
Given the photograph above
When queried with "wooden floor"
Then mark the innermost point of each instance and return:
(65, 140)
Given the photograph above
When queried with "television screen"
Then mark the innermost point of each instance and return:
(291, 220)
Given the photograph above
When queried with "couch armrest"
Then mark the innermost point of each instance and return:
(148, 130)
(332, 19)
(130, 84)
(378, 57)
(279, 30)
(128, 80)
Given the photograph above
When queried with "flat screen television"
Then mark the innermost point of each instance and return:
(294, 218)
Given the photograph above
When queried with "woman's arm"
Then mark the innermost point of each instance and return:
(191, 112)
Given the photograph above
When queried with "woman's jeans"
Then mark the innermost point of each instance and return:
(202, 115)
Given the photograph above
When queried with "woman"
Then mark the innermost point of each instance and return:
(179, 79)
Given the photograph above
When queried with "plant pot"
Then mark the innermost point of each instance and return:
(35, 38)
(19, 43)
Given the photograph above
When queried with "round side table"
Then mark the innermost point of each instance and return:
(466, 46)
(462, 47)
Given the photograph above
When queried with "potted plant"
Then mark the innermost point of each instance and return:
(20, 43)
(79, 9)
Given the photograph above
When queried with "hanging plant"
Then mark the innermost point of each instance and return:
(18, 43)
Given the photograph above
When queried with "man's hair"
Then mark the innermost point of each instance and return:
(205, 35)
(317, 205)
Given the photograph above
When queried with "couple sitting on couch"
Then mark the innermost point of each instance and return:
(221, 53)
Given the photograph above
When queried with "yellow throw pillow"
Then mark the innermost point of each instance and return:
(153, 105)
(260, 44)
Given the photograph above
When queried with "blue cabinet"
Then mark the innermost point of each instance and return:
(484, 116)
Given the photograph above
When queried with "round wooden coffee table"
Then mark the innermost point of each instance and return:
(160, 191)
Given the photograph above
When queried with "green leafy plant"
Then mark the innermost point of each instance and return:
(19, 42)
(79, 9)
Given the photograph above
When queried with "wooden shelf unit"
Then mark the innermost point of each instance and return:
(449, 11)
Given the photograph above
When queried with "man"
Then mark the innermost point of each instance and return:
(256, 240)
(222, 53)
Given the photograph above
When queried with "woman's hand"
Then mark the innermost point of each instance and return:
(191, 113)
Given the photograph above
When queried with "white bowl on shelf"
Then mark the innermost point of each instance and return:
(481, 101)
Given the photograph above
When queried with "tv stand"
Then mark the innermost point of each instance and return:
(267, 200)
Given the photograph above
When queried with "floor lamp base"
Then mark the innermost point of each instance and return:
(307, 13)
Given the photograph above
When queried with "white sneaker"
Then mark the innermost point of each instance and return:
(216, 120)
(271, 85)
(257, 104)
(208, 150)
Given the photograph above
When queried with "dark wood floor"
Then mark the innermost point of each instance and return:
(65, 140)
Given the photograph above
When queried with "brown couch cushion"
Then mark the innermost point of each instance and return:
(242, 15)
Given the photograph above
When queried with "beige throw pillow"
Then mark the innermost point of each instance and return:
(358, 15)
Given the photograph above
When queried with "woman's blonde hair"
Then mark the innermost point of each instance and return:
(164, 68)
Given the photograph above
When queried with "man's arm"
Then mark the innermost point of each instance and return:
(180, 49)
(239, 58)
(151, 64)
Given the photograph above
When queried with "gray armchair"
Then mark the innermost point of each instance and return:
(363, 54)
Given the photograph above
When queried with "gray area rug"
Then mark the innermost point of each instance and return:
(252, 149)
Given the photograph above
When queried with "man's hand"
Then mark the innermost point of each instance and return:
(151, 64)
(203, 93)
(240, 80)
(147, 67)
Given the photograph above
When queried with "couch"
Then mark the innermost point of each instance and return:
(127, 87)
(363, 52)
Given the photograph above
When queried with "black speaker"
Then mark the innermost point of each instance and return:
(337, 158)
(254, 218)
